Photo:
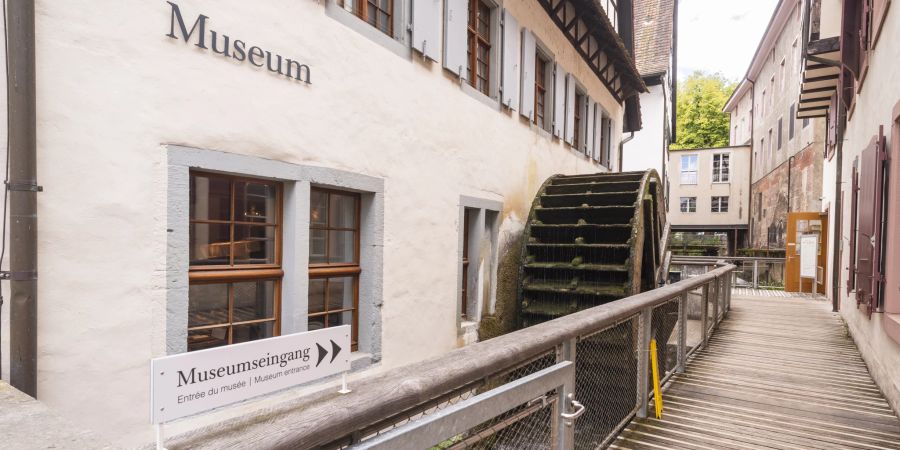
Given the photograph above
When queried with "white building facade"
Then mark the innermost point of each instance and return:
(219, 172)
(709, 191)
(787, 150)
(861, 101)
(655, 23)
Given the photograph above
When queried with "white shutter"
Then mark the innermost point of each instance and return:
(426, 27)
(510, 77)
(455, 36)
(589, 128)
(570, 108)
(559, 100)
(529, 47)
(598, 132)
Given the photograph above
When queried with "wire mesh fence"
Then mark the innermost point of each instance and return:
(527, 426)
(666, 324)
(605, 381)
(608, 375)
(508, 428)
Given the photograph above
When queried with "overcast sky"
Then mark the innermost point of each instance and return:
(720, 35)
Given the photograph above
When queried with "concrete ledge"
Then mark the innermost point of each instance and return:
(892, 326)
(28, 423)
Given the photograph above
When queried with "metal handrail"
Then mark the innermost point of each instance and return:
(680, 259)
(400, 390)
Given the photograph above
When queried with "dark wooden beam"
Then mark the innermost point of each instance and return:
(826, 45)
(816, 90)
(821, 78)
(576, 41)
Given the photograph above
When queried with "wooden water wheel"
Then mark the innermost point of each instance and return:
(589, 240)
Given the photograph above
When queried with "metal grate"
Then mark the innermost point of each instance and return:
(532, 366)
(665, 331)
(527, 426)
(605, 373)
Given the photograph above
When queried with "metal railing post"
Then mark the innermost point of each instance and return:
(717, 284)
(727, 299)
(643, 355)
(755, 274)
(682, 332)
(564, 434)
(704, 312)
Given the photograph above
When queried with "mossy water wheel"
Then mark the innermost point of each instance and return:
(589, 240)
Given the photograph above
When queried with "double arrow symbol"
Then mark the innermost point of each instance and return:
(335, 349)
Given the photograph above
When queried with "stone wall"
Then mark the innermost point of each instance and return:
(793, 186)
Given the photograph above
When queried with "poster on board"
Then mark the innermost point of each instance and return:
(809, 244)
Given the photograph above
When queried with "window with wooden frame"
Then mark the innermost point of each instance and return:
(235, 260)
(334, 227)
(464, 304)
(688, 169)
(540, 91)
(719, 204)
(721, 172)
(479, 48)
(378, 13)
(688, 204)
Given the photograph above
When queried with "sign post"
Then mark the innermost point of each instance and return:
(189, 383)
(809, 251)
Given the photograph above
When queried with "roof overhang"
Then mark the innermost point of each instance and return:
(780, 17)
(742, 88)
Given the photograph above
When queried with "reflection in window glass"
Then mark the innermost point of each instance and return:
(234, 226)
(334, 260)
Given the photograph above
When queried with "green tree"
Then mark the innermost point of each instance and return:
(700, 120)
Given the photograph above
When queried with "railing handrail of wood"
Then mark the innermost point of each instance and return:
(404, 388)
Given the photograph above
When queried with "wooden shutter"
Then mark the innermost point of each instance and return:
(588, 127)
(791, 123)
(868, 257)
(780, 129)
(510, 67)
(456, 15)
(850, 35)
(570, 108)
(559, 100)
(854, 195)
(426, 28)
(879, 10)
(529, 47)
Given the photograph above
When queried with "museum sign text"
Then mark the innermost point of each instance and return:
(222, 44)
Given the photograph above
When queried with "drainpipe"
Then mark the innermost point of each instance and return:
(752, 143)
(622, 149)
(23, 190)
(838, 213)
(790, 166)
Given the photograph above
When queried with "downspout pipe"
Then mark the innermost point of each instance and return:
(22, 189)
(622, 149)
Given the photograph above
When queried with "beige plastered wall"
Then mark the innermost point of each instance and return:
(737, 189)
(874, 105)
(113, 91)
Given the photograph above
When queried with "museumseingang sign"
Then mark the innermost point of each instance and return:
(208, 39)
(189, 383)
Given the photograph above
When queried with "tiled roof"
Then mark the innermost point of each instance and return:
(653, 35)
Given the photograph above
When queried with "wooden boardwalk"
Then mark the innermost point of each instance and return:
(778, 373)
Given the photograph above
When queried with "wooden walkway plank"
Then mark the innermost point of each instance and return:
(779, 373)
